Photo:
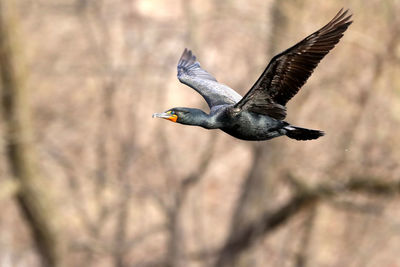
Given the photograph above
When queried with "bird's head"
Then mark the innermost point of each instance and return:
(189, 116)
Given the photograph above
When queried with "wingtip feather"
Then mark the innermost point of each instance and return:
(187, 57)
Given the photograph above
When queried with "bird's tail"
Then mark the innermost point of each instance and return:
(302, 133)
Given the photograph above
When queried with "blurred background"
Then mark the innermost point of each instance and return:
(88, 178)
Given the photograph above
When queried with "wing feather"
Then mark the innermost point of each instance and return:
(191, 74)
(288, 71)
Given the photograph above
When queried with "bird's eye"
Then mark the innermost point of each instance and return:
(172, 112)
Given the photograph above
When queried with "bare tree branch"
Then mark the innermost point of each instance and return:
(175, 246)
(269, 221)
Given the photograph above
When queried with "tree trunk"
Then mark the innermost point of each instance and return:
(31, 194)
(256, 193)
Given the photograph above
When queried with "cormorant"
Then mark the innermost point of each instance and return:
(259, 114)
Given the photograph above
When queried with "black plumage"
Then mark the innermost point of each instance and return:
(259, 114)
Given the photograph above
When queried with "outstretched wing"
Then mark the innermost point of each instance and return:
(288, 71)
(191, 74)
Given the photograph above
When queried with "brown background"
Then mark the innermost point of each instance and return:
(129, 190)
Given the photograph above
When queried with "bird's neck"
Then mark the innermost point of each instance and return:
(208, 122)
(204, 120)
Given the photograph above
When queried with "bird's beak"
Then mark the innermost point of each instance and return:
(166, 115)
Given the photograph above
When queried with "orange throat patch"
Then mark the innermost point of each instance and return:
(173, 118)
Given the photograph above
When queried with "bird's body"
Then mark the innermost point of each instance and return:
(252, 126)
(259, 115)
(244, 125)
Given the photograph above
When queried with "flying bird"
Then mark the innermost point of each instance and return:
(260, 114)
